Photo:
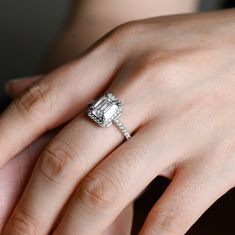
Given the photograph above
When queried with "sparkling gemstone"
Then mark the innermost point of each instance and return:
(97, 113)
(106, 109)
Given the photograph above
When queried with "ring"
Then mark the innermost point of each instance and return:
(107, 111)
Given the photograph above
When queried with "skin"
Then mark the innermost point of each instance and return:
(175, 75)
(14, 176)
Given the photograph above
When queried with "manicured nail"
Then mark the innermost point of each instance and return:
(8, 85)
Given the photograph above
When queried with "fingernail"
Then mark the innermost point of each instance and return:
(8, 85)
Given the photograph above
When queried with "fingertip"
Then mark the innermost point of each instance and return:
(16, 86)
(12, 87)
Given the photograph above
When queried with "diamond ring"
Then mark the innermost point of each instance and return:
(107, 111)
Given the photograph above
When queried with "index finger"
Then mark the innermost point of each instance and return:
(55, 99)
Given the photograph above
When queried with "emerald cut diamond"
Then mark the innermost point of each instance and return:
(105, 110)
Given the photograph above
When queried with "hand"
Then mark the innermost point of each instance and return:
(176, 77)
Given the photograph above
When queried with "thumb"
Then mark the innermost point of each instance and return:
(16, 86)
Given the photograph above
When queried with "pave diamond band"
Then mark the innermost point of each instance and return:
(122, 128)
(106, 111)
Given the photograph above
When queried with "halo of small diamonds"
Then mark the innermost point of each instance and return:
(97, 111)
(107, 110)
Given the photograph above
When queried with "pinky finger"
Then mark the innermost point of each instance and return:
(190, 194)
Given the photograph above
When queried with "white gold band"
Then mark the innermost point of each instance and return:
(122, 128)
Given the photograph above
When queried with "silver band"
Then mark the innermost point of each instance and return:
(122, 128)
(106, 111)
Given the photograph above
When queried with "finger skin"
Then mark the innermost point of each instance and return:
(192, 191)
(122, 224)
(55, 99)
(56, 175)
(117, 181)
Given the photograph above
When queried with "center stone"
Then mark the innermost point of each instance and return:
(105, 110)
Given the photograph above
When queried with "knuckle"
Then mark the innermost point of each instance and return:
(33, 99)
(168, 220)
(97, 193)
(127, 28)
(120, 36)
(23, 224)
(57, 161)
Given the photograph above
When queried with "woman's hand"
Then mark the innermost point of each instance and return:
(176, 77)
